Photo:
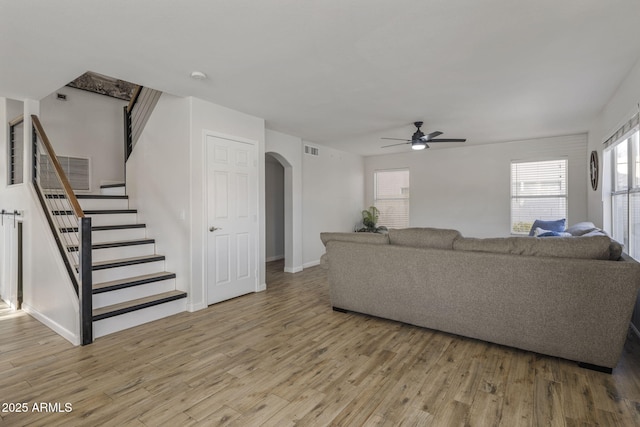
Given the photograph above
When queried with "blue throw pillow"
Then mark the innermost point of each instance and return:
(557, 225)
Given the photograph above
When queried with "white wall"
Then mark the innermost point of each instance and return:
(87, 125)
(332, 197)
(288, 150)
(48, 292)
(158, 176)
(620, 108)
(274, 209)
(165, 177)
(468, 188)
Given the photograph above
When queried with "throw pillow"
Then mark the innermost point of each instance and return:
(581, 228)
(556, 225)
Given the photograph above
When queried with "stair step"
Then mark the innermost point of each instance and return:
(89, 196)
(102, 265)
(116, 185)
(138, 304)
(113, 189)
(132, 281)
(103, 227)
(98, 212)
(116, 244)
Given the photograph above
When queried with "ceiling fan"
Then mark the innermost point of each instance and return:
(419, 140)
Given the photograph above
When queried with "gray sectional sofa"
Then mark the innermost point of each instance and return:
(569, 297)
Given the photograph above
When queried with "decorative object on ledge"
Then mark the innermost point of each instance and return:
(104, 85)
(369, 220)
(593, 170)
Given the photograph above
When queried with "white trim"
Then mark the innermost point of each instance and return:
(310, 264)
(195, 307)
(274, 258)
(293, 269)
(73, 338)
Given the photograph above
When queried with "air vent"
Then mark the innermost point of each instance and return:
(310, 150)
(61, 96)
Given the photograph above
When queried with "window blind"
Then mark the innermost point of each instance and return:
(538, 191)
(392, 197)
(76, 169)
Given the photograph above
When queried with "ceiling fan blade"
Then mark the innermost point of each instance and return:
(398, 139)
(393, 145)
(448, 140)
(428, 136)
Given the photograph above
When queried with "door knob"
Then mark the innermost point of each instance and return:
(214, 228)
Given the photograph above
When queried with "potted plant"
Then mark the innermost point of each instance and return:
(369, 220)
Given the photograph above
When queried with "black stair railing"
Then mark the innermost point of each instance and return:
(136, 115)
(70, 227)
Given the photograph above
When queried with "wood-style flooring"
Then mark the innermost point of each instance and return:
(283, 357)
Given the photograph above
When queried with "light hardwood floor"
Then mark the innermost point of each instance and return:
(283, 357)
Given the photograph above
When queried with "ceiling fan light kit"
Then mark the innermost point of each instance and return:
(419, 140)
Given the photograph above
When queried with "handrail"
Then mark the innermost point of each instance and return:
(134, 99)
(17, 120)
(73, 201)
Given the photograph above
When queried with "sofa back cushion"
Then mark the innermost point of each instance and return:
(374, 238)
(436, 238)
(595, 247)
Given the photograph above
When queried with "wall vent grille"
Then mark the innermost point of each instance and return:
(312, 151)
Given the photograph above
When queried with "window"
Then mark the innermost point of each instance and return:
(76, 169)
(538, 191)
(16, 144)
(623, 158)
(391, 194)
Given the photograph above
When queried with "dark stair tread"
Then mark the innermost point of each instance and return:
(120, 184)
(136, 304)
(131, 281)
(90, 196)
(104, 227)
(98, 212)
(101, 265)
(102, 196)
(115, 244)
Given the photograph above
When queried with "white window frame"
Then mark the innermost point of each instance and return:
(405, 200)
(610, 192)
(525, 228)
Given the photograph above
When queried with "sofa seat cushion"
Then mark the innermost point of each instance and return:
(373, 238)
(593, 247)
(435, 238)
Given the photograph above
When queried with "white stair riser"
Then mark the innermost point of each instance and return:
(138, 317)
(108, 274)
(98, 219)
(94, 204)
(120, 252)
(117, 235)
(134, 292)
(113, 191)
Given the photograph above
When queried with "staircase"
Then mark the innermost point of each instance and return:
(130, 283)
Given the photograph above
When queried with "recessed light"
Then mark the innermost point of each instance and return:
(198, 75)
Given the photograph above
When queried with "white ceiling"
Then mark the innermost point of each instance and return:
(342, 73)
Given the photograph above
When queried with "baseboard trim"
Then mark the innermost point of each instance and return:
(311, 264)
(195, 307)
(274, 258)
(293, 269)
(51, 324)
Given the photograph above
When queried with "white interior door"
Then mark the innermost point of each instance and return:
(232, 213)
